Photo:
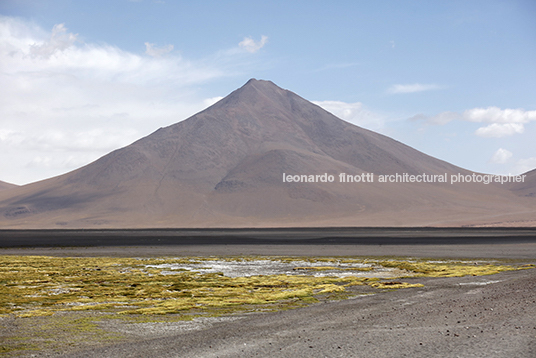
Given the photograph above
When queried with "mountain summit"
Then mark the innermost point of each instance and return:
(224, 166)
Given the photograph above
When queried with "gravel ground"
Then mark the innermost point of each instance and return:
(486, 316)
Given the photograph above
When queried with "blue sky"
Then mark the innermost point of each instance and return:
(78, 79)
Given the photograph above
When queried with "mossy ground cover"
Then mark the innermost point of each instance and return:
(69, 295)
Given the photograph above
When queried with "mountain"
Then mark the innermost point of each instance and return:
(224, 166)
(527, 187)
(5, 186)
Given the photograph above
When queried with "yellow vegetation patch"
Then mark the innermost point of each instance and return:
(40, 285)
(37, 285)
(447, 268)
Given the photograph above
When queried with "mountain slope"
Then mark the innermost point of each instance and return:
(527, 187)
(5, 186)
(223, 167)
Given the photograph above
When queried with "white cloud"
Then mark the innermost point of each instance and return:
(503, 122)
(58, 94)
(154, 51)
(59, 40)
(251, 45)
(501, 156)
(354, 113)
(498, 130)
(497, 115)
(416, 87)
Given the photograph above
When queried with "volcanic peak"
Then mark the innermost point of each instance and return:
(223, 167)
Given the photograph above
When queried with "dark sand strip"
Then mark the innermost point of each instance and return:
(518, 251)
(516, 243)
(274, 236)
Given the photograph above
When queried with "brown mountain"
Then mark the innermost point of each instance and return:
(527, 187)
(223, 167)
(5, 186)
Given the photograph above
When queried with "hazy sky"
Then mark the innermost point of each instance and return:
(78, 79)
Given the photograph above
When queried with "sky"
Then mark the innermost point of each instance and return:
(79, 79)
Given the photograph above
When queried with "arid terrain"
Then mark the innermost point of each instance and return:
(451, 317)
(5, 186)
(471, 316)
(224, 166)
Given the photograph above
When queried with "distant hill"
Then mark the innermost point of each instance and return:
(527, 187)
(224, 166)
(5, 186)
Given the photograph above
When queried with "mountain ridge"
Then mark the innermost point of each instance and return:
(223, 167)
